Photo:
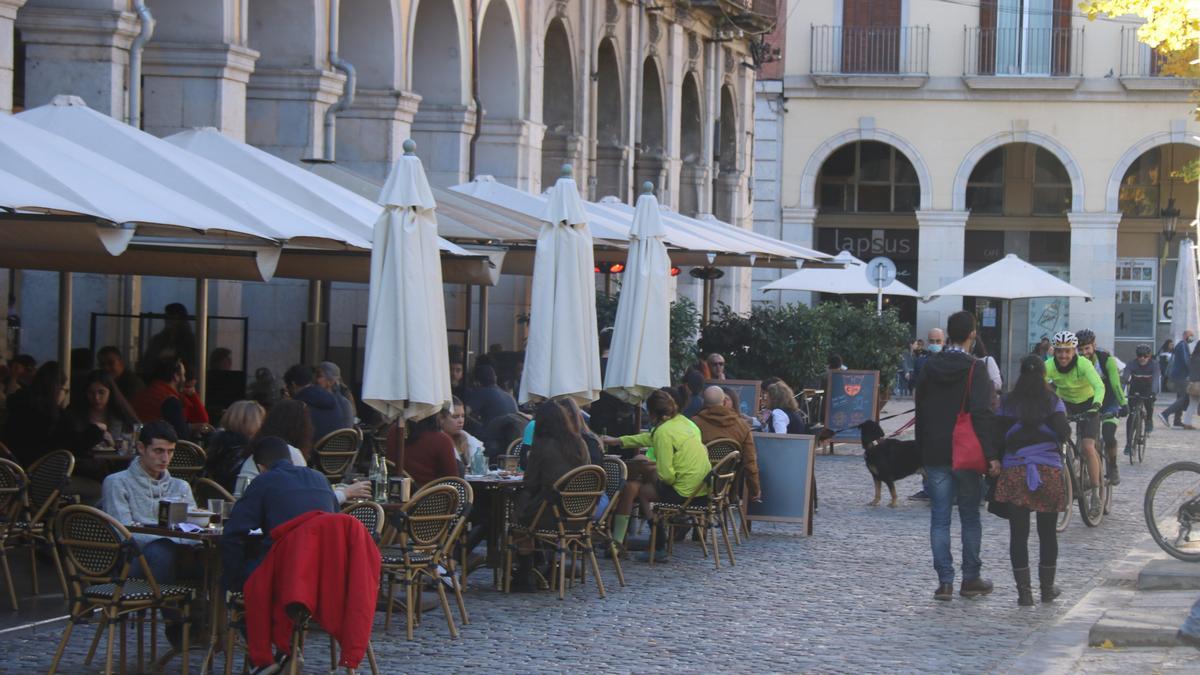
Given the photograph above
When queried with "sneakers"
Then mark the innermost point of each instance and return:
(1165, 420)
(975, 587)
(921, 496)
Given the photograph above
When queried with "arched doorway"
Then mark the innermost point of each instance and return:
(650, 163)
(367, 38)
(1152, 188)
(610, 136)
(500, 150)
(693, 168)
(1018, 195)
(560, 144)
(866, 193)
(281, 108)
(725, 181)
(370, 132)
(443, 122)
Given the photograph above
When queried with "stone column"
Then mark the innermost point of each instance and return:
(84, 52)
(285, 109)
(1094, 270)
(511, 150)
(370, 134)
(443, 134)
(8, 14)
(941, 238)
(190, 85)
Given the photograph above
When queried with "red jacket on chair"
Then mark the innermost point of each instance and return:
(326, 562)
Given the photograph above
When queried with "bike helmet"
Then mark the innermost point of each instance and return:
(1065, 338)
(1085, 336)
(1143, 350)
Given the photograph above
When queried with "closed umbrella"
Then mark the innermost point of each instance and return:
(639, 359)
(1010, 278)
(1185, 307)
(562, 356)
(406, 371)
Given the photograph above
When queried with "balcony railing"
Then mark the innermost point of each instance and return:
(870, 50)
(1139, 59)
(1023, 52)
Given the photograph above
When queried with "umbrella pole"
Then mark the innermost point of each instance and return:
(708, 288)
(65, 286)
(402, 432)
(1008, 347)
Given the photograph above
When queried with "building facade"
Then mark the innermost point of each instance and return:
(624, 91)
(947, 134)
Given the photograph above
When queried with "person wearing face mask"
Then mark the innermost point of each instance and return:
(1180, 371)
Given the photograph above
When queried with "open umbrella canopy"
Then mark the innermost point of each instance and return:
(639, 359)
(406, 371)
(1010, 278)
(562, 355)
(851, 279)
(1185, 307)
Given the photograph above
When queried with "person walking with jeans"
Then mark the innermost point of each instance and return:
(950, 381)
(1179, 379)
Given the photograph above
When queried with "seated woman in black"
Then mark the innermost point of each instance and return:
(98, 418)
(557, 448)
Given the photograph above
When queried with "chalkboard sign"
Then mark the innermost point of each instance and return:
(747, 391)
(785, 469)
(851, 398)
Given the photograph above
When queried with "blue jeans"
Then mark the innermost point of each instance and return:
(161, 557)
(1191, 625)
(947, 488)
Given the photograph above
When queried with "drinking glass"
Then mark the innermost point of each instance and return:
(214, 506)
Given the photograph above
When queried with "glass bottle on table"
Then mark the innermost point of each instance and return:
(379, 477)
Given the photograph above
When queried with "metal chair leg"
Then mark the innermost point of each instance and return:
(371, 658)
(62, 644)
(441, 589)
(728, 548)
(96, 639)
(12, 590)
(108, 654)
(591, 554)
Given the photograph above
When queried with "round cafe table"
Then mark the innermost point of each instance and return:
(500, 493)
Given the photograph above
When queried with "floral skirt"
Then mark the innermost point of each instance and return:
(1050, 497)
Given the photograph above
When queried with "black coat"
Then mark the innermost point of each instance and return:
(939, 397)
(548, 461)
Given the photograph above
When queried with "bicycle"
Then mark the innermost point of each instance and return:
(1171, 522)
(1135, 427)
(1094, 501)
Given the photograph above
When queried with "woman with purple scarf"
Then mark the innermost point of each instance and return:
(1032, 422)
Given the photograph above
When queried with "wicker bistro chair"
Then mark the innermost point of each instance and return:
(718, 448)
(573, 504)
(458, 537)
(615, 474)
(335, 453)
(188, 461)
(700, 513)
(98, 553)
(204, 489)
(425, 526)
(47, 477)
(12, 505)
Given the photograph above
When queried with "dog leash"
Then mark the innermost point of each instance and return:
(895, 433)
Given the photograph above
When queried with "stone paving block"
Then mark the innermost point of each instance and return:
(1169, 575)
(1136, 628)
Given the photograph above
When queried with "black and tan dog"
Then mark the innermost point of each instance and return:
(888, 459)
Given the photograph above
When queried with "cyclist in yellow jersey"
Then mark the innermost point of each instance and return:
(1079, 386)
(1114, 406)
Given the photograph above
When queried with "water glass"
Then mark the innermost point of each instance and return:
(214, 506)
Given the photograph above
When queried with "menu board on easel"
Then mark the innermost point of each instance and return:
(851, 398)
(785, 471)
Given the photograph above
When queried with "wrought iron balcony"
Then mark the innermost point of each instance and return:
(870, 50)
(1023, 52)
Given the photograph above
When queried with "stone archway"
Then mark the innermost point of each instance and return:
(611, 149)
(290, 87)
(1112, 195)
(504, 146)
(650, 163)
(437, 69)
(561, 142)
(812, 169)
(959, 195)
(693, 170)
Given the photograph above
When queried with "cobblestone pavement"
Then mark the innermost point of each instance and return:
(855, 597)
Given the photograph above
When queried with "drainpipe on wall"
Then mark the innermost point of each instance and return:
(346, 68)
(474, 90)
(135, 62)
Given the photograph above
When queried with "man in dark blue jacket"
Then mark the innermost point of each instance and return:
(1179, 379)
(280, 492)
(323, 408)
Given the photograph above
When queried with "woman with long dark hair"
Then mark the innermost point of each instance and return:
(1032, 423)
(98, 417)
(33, 413)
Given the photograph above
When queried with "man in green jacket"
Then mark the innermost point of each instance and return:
(1081, 390)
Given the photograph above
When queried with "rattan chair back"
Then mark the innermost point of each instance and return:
(723, 475)
(336, 452)
(204, 489)
(466, 494)
(12, 492)
(429, 518)
(96, 549)
(188, 461)
(718, 448)
(615, 475)
(578, 494)
(370, 514)
(48, 477)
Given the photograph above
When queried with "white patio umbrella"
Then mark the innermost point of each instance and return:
(851, 279)
(1185, 307)
(639, 360)
(1010, 278)
(562, 355)
(406, 371)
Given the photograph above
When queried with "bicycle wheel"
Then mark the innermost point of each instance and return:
(1068, 471)
(1132, 427)
(1142, 435)
(1093, 500)
(1172, 510)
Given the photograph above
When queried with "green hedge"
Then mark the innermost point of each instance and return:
(685, 328)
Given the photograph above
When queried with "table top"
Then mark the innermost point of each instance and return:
(491, 480)
(207, 536)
